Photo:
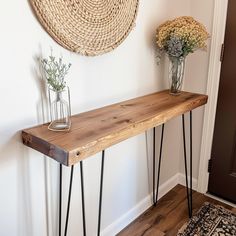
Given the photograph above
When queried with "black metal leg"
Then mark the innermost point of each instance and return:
(154, 164)
(186, 168)
(69, 198)
(155, 191)
(100, 196)
(60, 198)
(159, 163)
(82, 196)
(191, 162)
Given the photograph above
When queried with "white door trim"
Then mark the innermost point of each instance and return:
(217, 38)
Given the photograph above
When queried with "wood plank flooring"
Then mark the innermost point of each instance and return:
(169, 215)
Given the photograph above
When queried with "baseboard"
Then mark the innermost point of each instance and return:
(142, 206)
(182, 181)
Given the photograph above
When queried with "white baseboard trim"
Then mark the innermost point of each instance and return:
(142, 206)
(127, 218)
(182, 181)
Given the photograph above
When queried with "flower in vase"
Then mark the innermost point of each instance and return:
(177, 38)
(181, 36)
(174, 47)
(55, 71)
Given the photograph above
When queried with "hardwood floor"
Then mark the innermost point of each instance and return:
(169, 215)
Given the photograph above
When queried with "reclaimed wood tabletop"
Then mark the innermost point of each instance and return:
(96, 130)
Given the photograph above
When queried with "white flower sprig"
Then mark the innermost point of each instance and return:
(55, 72)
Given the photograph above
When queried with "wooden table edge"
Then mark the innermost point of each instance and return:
(71, 157)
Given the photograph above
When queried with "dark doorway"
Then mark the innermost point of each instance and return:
(222, 180)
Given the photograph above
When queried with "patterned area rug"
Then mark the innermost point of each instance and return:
(211, 220)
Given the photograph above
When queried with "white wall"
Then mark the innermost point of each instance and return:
(196, 76)
(28, 180)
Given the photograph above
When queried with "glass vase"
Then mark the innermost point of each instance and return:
(60, 111)
(176, 74)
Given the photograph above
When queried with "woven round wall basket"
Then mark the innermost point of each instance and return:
(89, 27)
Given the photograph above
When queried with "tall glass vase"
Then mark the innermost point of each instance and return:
(60, 111)
(176, 74)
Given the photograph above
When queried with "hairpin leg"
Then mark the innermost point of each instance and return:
(159, 163)
(82, 197)
(191, 163)
(100, 195)
(69, 198)
(60, 198)
(186, 168)
(154, 165)
(155, 191)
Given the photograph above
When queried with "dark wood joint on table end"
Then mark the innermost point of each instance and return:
(56, 153)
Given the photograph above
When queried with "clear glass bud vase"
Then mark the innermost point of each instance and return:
(176, 74)
(60, 111)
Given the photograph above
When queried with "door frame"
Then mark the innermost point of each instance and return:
(218, 33)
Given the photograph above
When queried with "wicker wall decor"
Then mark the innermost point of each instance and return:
(89, 27)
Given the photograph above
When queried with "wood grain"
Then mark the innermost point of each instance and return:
(170, 214)
(96, 130)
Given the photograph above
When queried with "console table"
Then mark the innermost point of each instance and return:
(96, 130)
